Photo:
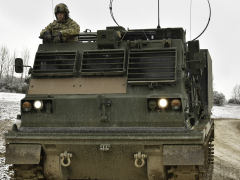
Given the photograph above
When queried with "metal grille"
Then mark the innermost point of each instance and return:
(87, 37)
(152, 65)
(103, 62)
(55, 64)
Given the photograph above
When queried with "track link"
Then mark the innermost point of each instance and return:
(27, 171)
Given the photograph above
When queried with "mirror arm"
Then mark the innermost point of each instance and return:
(24, 66)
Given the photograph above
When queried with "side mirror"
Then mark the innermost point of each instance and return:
(18, 65)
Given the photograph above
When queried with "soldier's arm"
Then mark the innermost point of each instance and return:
(74, 29)
(48, 28)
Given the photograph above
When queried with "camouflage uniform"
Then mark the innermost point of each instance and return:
(67, 28)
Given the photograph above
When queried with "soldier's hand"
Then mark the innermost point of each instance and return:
(47, 37)
(57, 38)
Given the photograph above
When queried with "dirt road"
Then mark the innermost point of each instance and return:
(227, 149)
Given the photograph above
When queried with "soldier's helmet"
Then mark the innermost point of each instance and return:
(62, 8)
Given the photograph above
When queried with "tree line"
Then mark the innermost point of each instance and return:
(9, 80)
(235, 95)
(7, 62)
(219, 98)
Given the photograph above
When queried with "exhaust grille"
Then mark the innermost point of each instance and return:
(87, 37)
(55, 64)
(103, 63)
(152, 65)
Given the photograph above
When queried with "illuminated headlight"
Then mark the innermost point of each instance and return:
(176, 104)
(162, 103)
(38, 105)
(26, 106)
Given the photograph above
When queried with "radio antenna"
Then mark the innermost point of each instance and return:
(158, 17)
(207, 23)
(52, 10)
(191, 20)
(111, 11)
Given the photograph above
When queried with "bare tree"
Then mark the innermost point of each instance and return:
(26, 60)
(218, 98)
(7, 67)
(12, 65)
(4, 55)
(236, 94)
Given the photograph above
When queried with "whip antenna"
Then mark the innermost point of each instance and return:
(191, 20)
(52, 10)
(158, 17)
(110, 7)
(208, 21)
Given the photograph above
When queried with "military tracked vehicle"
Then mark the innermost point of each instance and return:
(118, 104)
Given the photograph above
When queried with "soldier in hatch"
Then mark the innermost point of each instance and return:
(63, 28)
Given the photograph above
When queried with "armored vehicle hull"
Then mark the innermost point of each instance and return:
(116, 105)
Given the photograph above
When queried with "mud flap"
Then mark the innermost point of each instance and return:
(155, 169)
(53, 169)
(23, 153)
(183, 155)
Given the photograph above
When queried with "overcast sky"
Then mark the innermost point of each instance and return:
(22, 21)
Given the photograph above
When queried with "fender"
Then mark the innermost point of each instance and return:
(183, 155)
(23, 153)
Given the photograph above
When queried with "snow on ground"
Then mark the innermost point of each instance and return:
(227, 111)
(9, 108)
(227, 135)
(10, 105)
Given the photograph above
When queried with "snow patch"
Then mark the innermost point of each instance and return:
(227, 111)
(10, 105)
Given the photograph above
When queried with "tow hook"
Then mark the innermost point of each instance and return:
(67, 156)
(139, 156)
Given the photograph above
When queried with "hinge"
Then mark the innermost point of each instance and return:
(102, 104)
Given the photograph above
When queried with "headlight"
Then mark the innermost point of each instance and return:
(176, 104)
(26, 106)
(162, 103)
(48, 106)
(152, 104)
(38, 105)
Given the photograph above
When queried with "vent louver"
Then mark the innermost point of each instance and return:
(87, 37)
(152, 65)
(103, 63)
(55, 64)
